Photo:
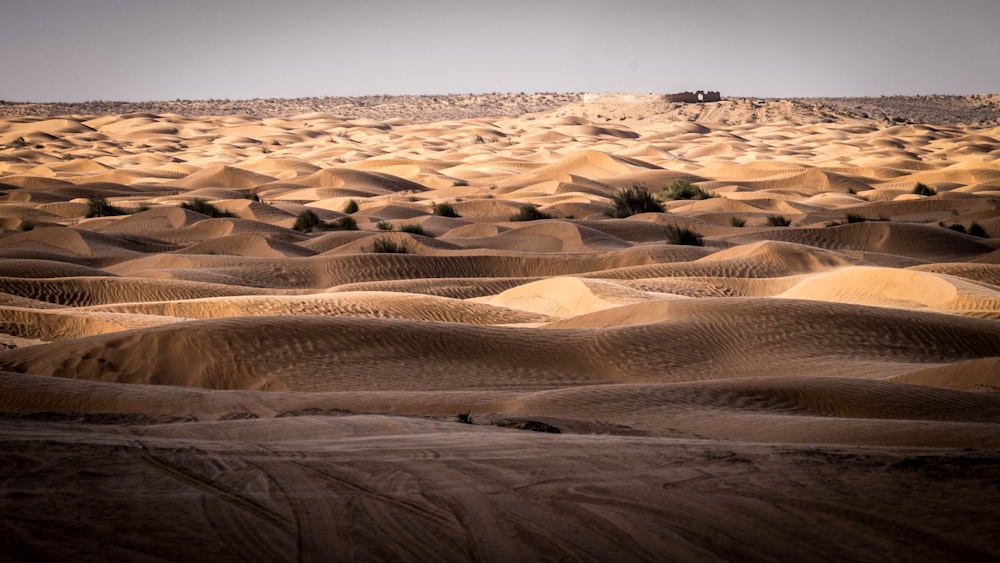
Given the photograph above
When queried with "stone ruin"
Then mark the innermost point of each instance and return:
(694, 97)
(643, 98)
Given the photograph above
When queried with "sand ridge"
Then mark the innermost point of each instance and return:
(280, 307)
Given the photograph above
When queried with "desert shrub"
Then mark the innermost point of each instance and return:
(351, 207)
(854, 218)
(683, 235)
(977, 230)
(307, 221)
(412, 228)
(778, 221)
(682, 189)
(632, 201)
(345, 223)
(464, 417)
(99, 207)
(383, 245)
(383, 226)
(924, 189)
(459, 183)
(737, 221)
(529, 213)
(957, 228)
(444, 210)
(27, 226)
(252, 196)
(205, 208)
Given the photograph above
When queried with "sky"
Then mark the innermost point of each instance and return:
(139, 50)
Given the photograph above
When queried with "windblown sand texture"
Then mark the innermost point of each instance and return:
(180, 387)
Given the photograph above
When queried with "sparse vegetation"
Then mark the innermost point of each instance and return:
(351, 207)
(682, 189)
(464, 417)
(383, 226)
(977, 230)
(99, 207)
(27, 226)
(683, 235)
(345, 223)
(632, 201)
(778, 221)
(384, 245)
(307, 221)
(459, 183)
(252, 196)
(855, 218)
(412, 228)
(737, 221)
(444, 210)
(529, 213)
(924, 189)
(205, 208)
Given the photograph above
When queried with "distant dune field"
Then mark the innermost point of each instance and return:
(501, 327)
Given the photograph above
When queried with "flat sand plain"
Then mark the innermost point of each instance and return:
(178, 386)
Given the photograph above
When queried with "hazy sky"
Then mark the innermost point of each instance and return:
(77, 50)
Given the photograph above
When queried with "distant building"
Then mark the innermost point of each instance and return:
(694, 97)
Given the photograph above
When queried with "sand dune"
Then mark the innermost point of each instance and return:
(802, 363)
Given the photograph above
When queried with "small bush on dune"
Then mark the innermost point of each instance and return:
(975, 229)
(306, 221)
(444, 210)
(529, 213)
(383, 226)
(205, 208)
(344, 223)
(778, 221)
(737, 221)
(252, 196)
(99, 207)
(924, 189)
(632, 201)
(682, 189)
(351, 207)
(387, 246)
(413, 229)
(459, 183)
(683, 235)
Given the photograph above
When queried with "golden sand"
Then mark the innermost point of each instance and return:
(178, 386)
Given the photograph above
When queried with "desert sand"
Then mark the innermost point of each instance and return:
(818, 379)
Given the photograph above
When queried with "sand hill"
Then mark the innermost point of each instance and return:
(326, 335)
